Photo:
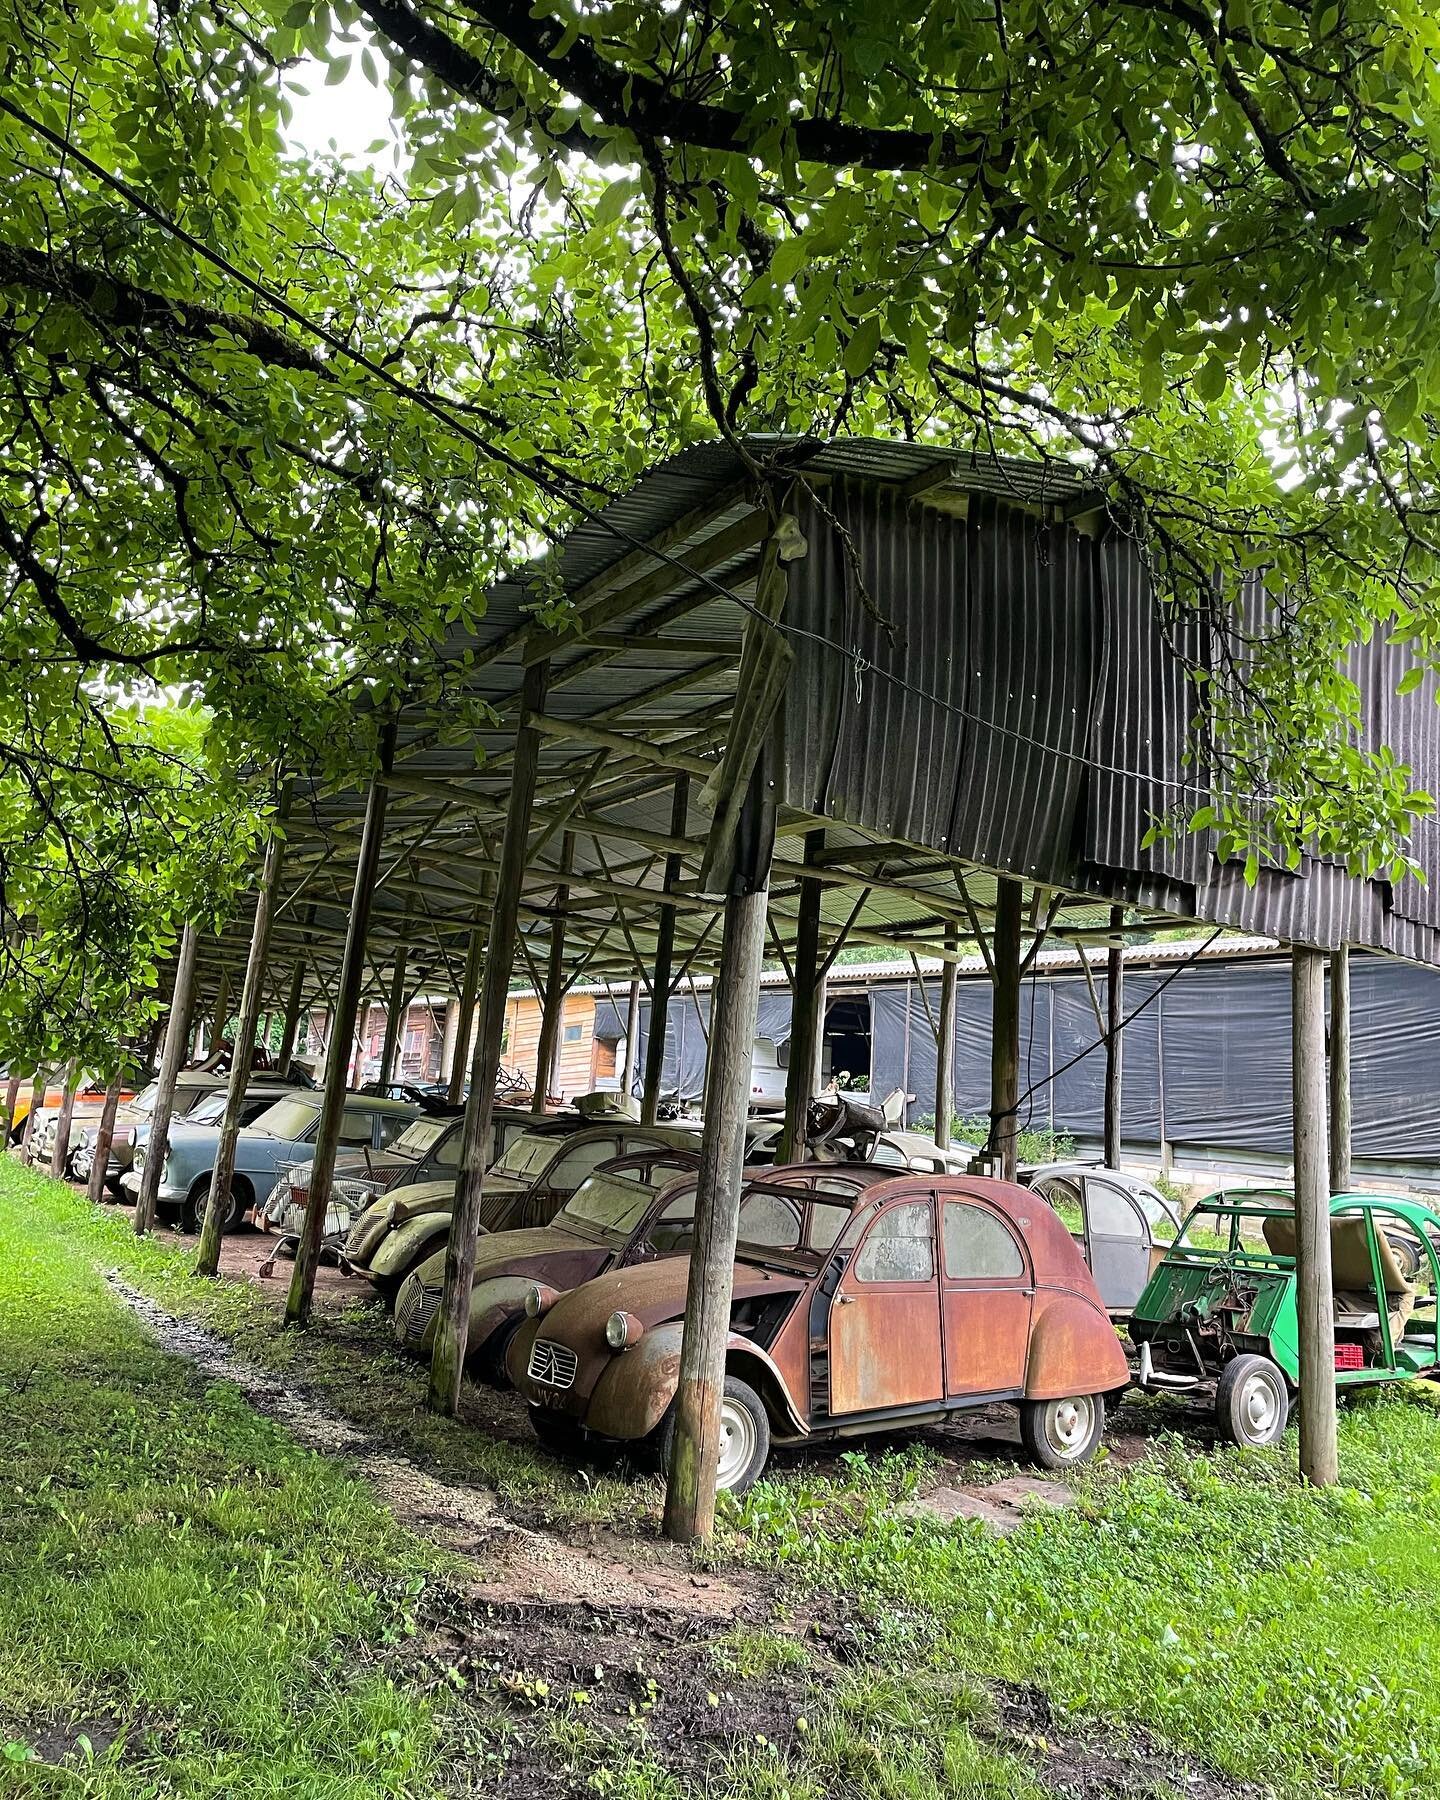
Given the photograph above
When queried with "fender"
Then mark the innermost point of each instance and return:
(634, 1393)
(408, 1244)
(768, 1382)
(493, 1304)
(1073, 1348)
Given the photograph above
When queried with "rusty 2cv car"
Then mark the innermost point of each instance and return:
(898, 1303)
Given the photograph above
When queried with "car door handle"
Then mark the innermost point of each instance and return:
(844, 1299)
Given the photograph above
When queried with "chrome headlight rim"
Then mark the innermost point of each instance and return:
(621, 1329)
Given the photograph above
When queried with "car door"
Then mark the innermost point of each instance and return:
(1117, 1243)
(988, 1292)
(884, 1322)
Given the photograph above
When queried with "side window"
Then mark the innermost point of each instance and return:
(1111, 1214)
(826, 1224)
(570, 1170)
(769, 1221)
(901, 1245)
(355, 1126)
(977, 1246)
(447, 1153)
(391, 1125)
(675, 1228)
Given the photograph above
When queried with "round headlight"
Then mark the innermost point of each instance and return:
(534, 1301)
(621, 1328)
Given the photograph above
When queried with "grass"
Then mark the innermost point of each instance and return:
(217, 1611)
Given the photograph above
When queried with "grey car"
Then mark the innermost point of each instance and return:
(283, 1134)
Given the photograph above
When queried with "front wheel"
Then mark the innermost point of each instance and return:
(1252, 1402)
(1062, 1434)
(558, 1432)
(198, 1199)
(744, 1438)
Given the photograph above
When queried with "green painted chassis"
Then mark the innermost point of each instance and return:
(1190, 1272)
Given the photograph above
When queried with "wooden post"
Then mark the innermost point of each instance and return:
(945, 1043)
(1005, 1027)
(217, 1209)
(690, 1489)
(289, 1035)
(39, 1081)
(347, 1004)
(1114, 1046)
(395, 1010)
(664, 960)
(806, 1001)
(12, 1100)
(552, 1007)
(1340, 1174)
(452, 1325)
(60, 1149)
(177, 1038)
(1315, 1300)
(632, 1041)
(222, 1011)
(105, 1133)
(465, 1015)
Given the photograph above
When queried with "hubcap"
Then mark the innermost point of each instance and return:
(737, 1443)
(1258, 1407)
(1069, 1424)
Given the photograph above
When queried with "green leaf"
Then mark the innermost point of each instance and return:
(860, 351)
(338, 70)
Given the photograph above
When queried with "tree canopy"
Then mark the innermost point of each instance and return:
(270, 423)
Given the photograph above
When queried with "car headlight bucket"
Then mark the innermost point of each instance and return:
(534, 1302)
(621, 1328)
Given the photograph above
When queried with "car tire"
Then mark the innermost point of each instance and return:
(558, 1432)
(1252, 1402)
(196, 1201)
(490, 1357)
(744, 1438)
(1062, 1434)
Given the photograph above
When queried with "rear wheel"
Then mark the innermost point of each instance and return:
(1252, 1402)
(198, 1199)
(490, 1357)
(1062, 1434)
(558, 1432)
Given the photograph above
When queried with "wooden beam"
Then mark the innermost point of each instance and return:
(452, 1327)
(1314, 1296)
(60, 1149)
(465, 1018)
(177, 1038)
(217, 1207)
(664, 961)
(552, 1006)
(1114, 1037)
(807, 988)
(945, 1047)
(291, 1027)
(1005, 1028)
(105, 1133)
(639, 749)
(1340, 1127)
(395, 1010)
(342, 1035)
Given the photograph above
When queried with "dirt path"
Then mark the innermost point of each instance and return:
(513, 1563)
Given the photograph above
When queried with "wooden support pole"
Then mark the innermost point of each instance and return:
(39, 1081)
(452, 1325)
(1114, 1037)
(690, 1489)
(664, 962)
(807, 998)
(394, 1017)
(222, 1012)
(105, 1132)
(465, 1017)
(222, 1181)
(632, 1041)
(1314, 1297)
(945, 1045)
(60, 1149)
(552, 1006)
(1340, 1173)
(12, 1100)
(1005, 1027)
(289, 1036)
(177, 1039)
(347, 1004)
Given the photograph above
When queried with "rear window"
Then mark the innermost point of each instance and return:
(288, 1118)
(769, 1221)
(527, 1155)
(607, 1203)
(419, 1136)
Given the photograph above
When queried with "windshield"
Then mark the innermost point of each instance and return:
(526, 1156)
(210, 1110)
(419, 1137)
(608, 1203)
(287, 1118)
(144, 1101)
(1232, 1222)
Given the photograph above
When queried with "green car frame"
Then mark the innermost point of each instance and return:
(1220, 1305)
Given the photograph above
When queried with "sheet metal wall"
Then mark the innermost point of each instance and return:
(1028, 710)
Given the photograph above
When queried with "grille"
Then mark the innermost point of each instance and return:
(415, 1306)
(553, 1365)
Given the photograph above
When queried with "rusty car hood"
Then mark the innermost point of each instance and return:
(528, 1244)
(652, 1292)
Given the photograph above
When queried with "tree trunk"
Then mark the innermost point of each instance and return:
(806, 1016)
(222, 1182)
(1315, 1300)
(690, 1489)
(347, 1005)
(1005, 1028)
(452, 1327)
(664, 960)
(12, 1100)
(945, 1044)
(1340, 1173)
(177, 1039)
(60, 1150)
(104, 1133)
(1114, 1045)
